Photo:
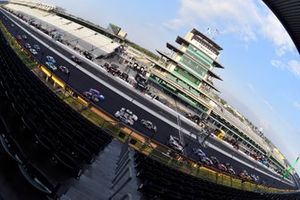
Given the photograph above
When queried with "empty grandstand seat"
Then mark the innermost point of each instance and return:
(49, 137)
(162, 182)
(37, 179)
(12, 148)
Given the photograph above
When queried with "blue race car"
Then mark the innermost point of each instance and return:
(94, 95)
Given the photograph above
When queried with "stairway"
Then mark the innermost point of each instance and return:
(95, 182)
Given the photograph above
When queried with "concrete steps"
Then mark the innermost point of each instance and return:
(95, 182)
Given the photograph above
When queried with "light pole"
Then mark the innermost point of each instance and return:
(181, 137)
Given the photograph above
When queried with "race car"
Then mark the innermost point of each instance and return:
(19, 37)
(230, 169)
(254, 178)
(215, 161)
(33, 51)
(174, 143)
(222, 167)
(51, 59)
(199, 152)
(149, 125)
(27, 46)
(36, 47)
(24, 37)
(94, 95)
(51, 66)
(205, 160)
(244, 175)
(126, 116)
(64, 69)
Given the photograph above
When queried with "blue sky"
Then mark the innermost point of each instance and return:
(262, 67)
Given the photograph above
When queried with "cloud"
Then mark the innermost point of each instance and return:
(268, 104)
(277, 63)
(228, 13)
(273, 30)
(296, 104)
(292, 65)
(243, 18)
(251, 87)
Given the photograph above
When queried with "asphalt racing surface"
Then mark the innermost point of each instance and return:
(113, 102)
(130, 93)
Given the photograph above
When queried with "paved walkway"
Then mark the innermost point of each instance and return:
(95, 183)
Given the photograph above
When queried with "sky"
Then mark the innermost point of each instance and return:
(262, 66)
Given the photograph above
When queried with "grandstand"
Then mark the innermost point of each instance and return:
(48, 140)
(161, 182)
(73, 33)
(50, 145)
(34, 130)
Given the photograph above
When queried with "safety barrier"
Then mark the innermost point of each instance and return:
(143, 144)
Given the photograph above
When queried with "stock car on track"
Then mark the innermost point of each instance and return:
(244, 175)
(94, 95)
(254, 178)
(64, 69)
(222, 167)
(36, 47)
(207, 161)
(51, 66)
(126, 116)
(174, 143)
(19, 37)
(33, 51)
(149, 125)
(24, 37)
(27, 46)
(215, 161)
(199, 153)
(51, 59)
(230, 169)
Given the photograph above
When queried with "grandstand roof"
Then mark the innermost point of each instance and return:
(74, 33)
(288, 12)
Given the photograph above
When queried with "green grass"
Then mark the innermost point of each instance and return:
(21, 53)
(73, 103)
(115, 129)
(93, 117)
(87, 113)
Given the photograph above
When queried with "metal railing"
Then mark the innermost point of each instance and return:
(153, 149)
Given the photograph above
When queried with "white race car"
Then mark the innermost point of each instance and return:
(51, 66)
(149, 125)
(126, 116)
(33, 51)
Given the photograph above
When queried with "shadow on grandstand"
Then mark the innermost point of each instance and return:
(44, 140)
(161, 182)
(45, 145)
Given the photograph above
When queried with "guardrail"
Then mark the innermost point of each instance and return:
(144, 144)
